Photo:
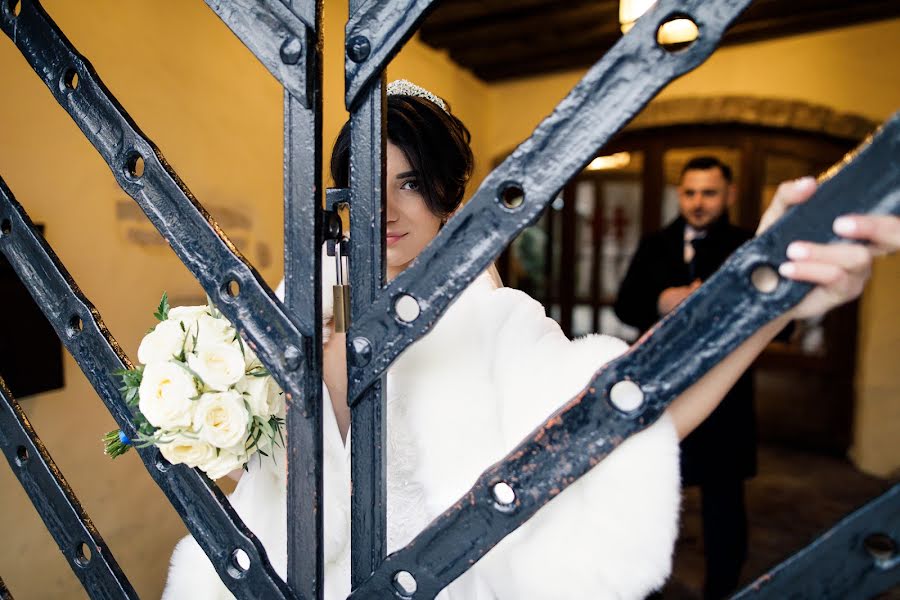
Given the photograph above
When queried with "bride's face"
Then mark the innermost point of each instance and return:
(410, 224)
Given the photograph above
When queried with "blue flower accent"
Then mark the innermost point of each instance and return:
(124, 438)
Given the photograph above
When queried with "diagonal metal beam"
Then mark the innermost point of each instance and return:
(275, 35)
(608, 96)
(857, 558)
(704, 329)
(139, 168)
(87, 554)
(199, 502)
(375, 32)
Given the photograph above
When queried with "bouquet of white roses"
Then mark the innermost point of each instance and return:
(201, 395)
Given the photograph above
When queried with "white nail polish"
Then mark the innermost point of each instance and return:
(844, 226)
(797, 251)
(786, 269)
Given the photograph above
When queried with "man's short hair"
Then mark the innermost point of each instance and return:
(702, 163)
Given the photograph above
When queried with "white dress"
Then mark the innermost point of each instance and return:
(492, 369)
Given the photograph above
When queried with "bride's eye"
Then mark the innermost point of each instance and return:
(410, 184)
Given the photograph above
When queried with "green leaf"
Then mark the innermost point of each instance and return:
(162, 312)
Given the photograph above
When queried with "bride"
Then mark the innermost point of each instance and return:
(495, 367)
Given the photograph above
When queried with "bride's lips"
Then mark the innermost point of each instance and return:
(393, 238)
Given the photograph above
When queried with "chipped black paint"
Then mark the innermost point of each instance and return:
(838, 564)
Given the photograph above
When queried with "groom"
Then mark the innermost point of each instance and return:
(721, 452)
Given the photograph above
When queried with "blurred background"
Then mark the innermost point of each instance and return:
(794, 86)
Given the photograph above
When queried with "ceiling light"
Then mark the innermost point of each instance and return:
(619, 160)
(676, 31)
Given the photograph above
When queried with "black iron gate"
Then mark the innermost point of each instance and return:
(286, 37)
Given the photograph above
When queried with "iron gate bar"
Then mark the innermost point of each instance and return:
(608, 96)
(191, 232)
(856, 572)
(303, 298)
(375, 32)
(704, 329)
(200, 504)
(368, 123)
(275, 35)
(368, 500)
(57, 505)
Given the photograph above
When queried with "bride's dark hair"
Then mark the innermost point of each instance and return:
(435, 143)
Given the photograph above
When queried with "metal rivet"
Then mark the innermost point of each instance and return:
(292, 357)
(626, 396)
(358, 48)
(407, 308)
(362, 352)
(765, 279)
(291, 51)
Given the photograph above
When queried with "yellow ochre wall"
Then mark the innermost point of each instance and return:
(216, 115)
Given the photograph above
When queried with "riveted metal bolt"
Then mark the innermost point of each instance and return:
(358, 48)
(291, 51)
(292, 358)
(362, 352)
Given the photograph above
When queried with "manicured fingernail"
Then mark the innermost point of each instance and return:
(787, 269)
(844, 226)
(796, 251)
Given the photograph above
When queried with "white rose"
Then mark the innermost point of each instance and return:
(225, 463)
(211, 331)
(251, 361)
(186, 450)
(162, 344)
(166, 394)
(188, 315)
(219, 366)
(262, 395)
(221, 419)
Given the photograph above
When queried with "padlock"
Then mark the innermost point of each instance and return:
(341, 291)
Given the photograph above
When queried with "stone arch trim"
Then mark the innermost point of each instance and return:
(750, 110)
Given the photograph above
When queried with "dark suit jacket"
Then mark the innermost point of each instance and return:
(724, 445)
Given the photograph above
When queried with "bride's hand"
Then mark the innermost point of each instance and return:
(840, 270)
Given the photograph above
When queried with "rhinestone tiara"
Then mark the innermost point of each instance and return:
(402, 87)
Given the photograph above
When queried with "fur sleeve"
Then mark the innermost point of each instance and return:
(611, 533)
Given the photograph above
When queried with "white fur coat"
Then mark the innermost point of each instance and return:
(492, 369)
